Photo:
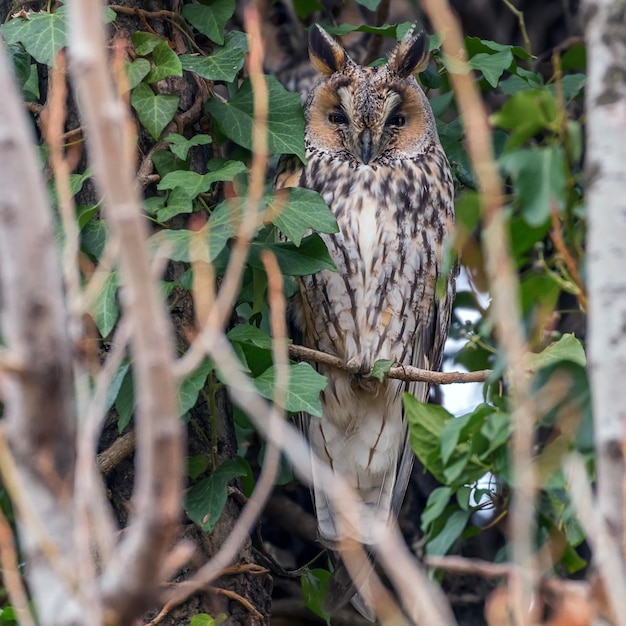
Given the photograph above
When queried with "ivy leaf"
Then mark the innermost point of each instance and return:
(245, 333)
(125, 402)
(492, 66)
(206, 499)
(106, 309)
(180, 145)
(310, 257)
(196, 184)
(303, 392)
(314, 583)
(285, 124)
(116, 384)
(155, 112)
(42, 34)
(210, 18)
(21, 63)
(386, 30)
(567, 348)
(204, 619)
(426, 424)
(451, 531)
(437, 502)
(178, 201)
(295, 211)
(525, 114)
(381, 367)
(539, 180)
(145, 43)
(225, 62)
(191, 385)
(136, 71)
(372, 5)
(166, 63)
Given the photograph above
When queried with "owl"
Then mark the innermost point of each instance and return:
(374, 155)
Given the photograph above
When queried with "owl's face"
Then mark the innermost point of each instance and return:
(368, 113)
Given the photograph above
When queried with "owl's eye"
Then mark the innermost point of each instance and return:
(337, 118)
(396, 120)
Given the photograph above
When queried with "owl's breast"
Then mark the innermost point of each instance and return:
(387, 252)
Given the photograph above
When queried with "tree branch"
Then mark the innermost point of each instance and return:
(130, 580)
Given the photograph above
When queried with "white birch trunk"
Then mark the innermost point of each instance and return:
(605, 22)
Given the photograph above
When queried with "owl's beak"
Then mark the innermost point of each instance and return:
(366, 145)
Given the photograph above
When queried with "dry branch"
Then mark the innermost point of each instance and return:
(35, 331)
(504, 288)
(134, 572)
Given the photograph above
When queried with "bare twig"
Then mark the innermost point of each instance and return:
(265, 482)
(400, 372)
(120, 449)
(134, 573)
(522, 24)
(11, 576)
(504, 288)
(461, 565)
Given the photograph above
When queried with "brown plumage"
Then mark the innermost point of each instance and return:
(374, 156)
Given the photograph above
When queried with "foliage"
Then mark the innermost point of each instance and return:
(537, 141)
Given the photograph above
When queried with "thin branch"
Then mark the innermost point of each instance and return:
(11, 576)
(504, 287)
(119, 450)
(461, 565)
(522, 24)
(265, 483)
(399, 372)
(135, 570)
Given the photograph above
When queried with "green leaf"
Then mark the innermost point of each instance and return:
(539, 181)
(206, 499)
(304, 8)
(180, 146)
(492, 66)
(245, 333)
(225, 62)
(210, 18)
(21, 63)
(145, 43)
(295, 211)
(178, 201)
(475, 46)
(136, 71)
(451, 531)
(195, 184)
(395, 31)
(191, 385)
(155, 112)
(437, 502)
(125, 402)
(314, 585)
(166, 63)
(372, 5)
(426, 425)
(567, 348)
(42, 34)
(285, 124)
(303, 392)
(525, 114)
(106, 309)
(571, 86)
(381, 367)
(203, 619)
(450, 436)
(310, 257)
(116, 384)
(197, 465)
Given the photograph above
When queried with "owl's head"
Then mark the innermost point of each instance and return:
(369, 113)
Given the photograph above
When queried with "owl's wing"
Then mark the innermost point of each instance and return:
(289, 173)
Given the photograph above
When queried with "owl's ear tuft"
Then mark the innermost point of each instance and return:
(326, 54)
(411, 55)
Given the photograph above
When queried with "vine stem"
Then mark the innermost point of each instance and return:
(522, 24)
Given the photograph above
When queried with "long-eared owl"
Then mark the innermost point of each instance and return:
(374, 155)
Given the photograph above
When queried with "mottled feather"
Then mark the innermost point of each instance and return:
(374, 156)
